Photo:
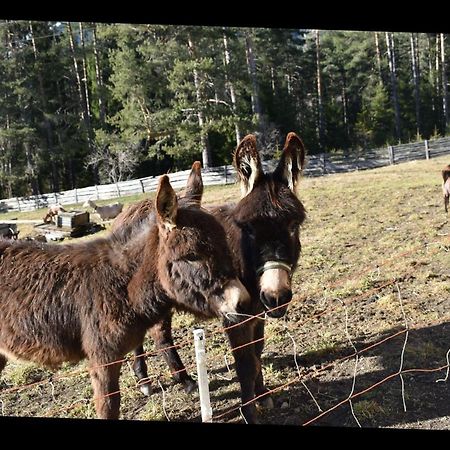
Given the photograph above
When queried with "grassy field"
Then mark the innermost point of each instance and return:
(371, 298)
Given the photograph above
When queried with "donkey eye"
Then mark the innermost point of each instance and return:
(191, 257)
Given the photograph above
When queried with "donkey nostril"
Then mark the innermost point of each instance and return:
(276, 304)
(268, 300)
(285, 297)
(243, 306)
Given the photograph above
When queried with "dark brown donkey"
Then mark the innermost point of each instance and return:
(446, 186)
(97, 299)
(263, 235)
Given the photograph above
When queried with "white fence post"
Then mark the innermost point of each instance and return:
(427, 150)
(203, 384)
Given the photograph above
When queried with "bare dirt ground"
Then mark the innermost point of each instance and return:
(365, 339)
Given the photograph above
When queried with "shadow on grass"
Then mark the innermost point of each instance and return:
(382, 406)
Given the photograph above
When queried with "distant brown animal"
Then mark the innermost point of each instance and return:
(97, 299)
(446, 186)
(52, 212)
(105, 212)
(263, 234)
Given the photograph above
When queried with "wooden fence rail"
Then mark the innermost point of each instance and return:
(319, 164)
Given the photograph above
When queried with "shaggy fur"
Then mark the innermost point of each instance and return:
(97, 299)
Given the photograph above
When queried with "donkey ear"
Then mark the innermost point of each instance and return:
(291, 162)
(166, 203)
(194, 186)
(247, 163)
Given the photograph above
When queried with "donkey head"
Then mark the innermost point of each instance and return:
(269, 215)
(194, 262)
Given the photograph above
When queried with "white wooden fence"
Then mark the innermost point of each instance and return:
(317, 165)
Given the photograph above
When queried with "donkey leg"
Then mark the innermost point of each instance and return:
(260, 388)
(140, 370)
(105, 383)
(162, 335)
(247, 367)
(3, 361)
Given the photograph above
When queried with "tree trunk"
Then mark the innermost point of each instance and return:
(47, 124)
(31, 169)
(98, 77)
(7, 166)
(378, 54)
(30, 166)
(345, 106)
(206, 151)
(437, 64)
(68, 181)
(84, 109)
(289, 84)
(444, 83)
(417, 41)
(85, 78)
(416, 81)
(9, 184)
(272, 81)
(430, 72)
(251, 67)
(393, 73)
(320, 116)
(230, 87)
(90, 131)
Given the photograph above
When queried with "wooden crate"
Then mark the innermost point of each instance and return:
(72, 219)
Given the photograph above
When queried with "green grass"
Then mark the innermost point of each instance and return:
(368, 409)
(25, 373)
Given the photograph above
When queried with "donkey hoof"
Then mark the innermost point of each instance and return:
(266, 403)
(189, 386)
(146, 389)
